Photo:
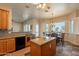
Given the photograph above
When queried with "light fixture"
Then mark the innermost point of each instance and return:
(42, 6)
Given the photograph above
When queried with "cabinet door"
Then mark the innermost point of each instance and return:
(4, 19)
(2, 46)
(7, 19)
(10, 45)
(0, 19)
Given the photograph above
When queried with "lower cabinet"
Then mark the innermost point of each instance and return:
(7, 45)
(10, 45)
(2, 46)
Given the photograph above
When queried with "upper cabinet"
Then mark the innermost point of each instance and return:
(4, 18)
(0, 19)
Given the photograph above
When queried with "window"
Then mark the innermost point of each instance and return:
(58, 27)
(27, 28)
(37, 30)
(46, 28)
(72, 25)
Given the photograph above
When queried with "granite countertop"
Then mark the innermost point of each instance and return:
(11, 35)
(41, 41)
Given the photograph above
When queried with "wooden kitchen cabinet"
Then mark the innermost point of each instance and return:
(3, 46)
(7, 45)
(4, 19)
(10, 44)
(0, 19)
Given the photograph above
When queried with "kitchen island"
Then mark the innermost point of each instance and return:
(43, 47)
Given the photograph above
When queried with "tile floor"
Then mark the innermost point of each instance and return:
(67, 50)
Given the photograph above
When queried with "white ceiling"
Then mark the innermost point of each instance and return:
(20, 13)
